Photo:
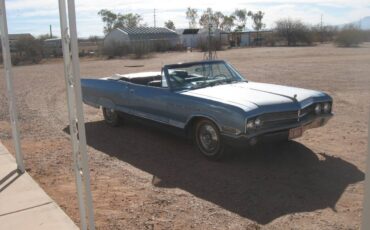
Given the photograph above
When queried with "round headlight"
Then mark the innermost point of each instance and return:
(250, 124)
(327, 107)
(318, 109)
(257, 122)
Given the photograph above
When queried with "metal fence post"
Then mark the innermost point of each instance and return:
(9, 85)
(75, 112)
(366, 203)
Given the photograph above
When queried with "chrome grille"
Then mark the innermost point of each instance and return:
(285, 118)
(279, 116)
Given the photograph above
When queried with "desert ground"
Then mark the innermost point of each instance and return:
(145, 178)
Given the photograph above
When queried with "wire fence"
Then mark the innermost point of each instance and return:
(141, 47)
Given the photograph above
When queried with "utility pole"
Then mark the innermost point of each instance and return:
(155, 23)
(51, 31)
(321, 37)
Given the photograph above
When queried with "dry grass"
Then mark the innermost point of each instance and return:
(144, 178)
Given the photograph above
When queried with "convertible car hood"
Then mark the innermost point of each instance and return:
(250, 95)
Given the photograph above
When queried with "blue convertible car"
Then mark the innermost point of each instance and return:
(212, 102)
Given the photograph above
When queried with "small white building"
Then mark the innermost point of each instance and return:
(129, 36)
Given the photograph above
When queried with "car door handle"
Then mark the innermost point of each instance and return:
(132, 91)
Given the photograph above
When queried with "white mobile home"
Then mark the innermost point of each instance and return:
(192, 37)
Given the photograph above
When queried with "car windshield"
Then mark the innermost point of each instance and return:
(199, 75)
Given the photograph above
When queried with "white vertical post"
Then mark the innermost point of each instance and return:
(9, 85)
(366, 204)
(76, 118)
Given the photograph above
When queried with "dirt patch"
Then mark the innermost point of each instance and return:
(143, 178)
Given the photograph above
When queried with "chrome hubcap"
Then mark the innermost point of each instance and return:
(208, 138)
(109, 113)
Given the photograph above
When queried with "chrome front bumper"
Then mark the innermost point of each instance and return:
(276, 133)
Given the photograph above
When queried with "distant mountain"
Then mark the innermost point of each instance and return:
(363, 23)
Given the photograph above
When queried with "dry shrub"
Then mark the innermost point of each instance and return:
(28, 51)
(349, 36)
(294, 32)
(203, 44)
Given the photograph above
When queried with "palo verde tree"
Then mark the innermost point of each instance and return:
(241, 16)
(192, 16)
(113, 20)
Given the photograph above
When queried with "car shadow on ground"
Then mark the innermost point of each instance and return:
(262, 184)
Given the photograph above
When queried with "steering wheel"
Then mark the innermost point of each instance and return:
(177, 80)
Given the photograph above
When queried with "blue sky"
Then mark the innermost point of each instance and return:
(35, 16)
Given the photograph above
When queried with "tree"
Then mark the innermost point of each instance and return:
(257, 22)
(170, 25)
(205, 17)
(227, 23)
(130, 20)
(218, 18)
(241, 16)
(324, 33)
(113, 20)
(192, 16)
(109, 18)
(208, 17)
(293, 31)
(349, 36)
(28, 49)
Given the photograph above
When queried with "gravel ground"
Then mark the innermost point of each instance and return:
(144, 178)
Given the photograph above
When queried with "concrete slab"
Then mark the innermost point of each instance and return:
(48, 216)
(3, 150)
(23, 203)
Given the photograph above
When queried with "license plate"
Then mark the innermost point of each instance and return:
(296, 132)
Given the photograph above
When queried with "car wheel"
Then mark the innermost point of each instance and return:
(208, 140)
(111, 117)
